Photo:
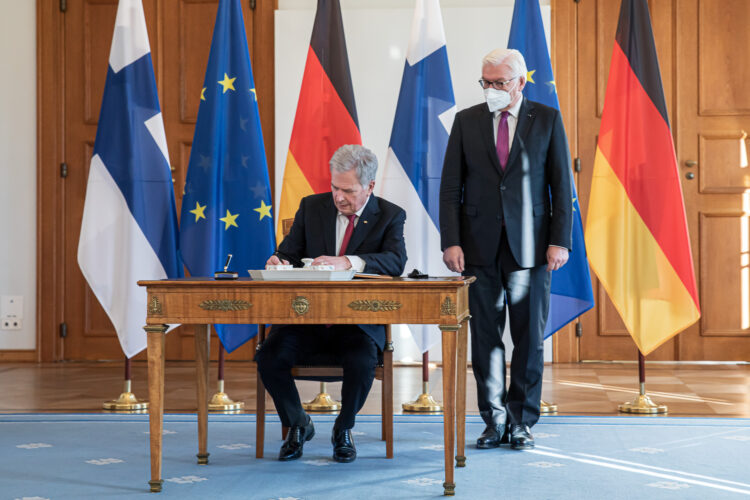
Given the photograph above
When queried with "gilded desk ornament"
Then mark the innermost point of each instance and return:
(225, 305)
(448, 307)
(154, 306)
(375, 305)
(300, 305)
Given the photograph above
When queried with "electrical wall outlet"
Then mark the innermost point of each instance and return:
(11, 324)
(11, 312)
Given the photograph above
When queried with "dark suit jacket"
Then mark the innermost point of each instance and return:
(378, 239)
(533, 196)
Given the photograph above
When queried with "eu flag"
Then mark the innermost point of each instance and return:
(226, 207)
(571, 294)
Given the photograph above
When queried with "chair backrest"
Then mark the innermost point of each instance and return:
(286, 226)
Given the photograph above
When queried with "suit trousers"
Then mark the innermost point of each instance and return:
(290, 345)
(525, 292)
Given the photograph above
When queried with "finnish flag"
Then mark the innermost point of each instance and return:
(424, 117)
(129, 227)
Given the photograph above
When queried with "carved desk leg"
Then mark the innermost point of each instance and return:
(461, 395)
(155, 335)
(449, 403)
(202, 338)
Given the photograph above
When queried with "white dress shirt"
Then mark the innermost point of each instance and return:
(512, 122)
(341, 222)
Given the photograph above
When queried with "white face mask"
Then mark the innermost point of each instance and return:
(496, 99)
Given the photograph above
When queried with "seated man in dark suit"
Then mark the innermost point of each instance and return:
(348, 228)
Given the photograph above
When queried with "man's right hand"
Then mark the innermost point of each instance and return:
(454, 258)
(273, 260)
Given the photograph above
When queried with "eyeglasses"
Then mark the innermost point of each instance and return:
(497, 84)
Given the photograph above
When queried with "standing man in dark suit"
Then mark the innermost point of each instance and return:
(506, 218)
(348, 228)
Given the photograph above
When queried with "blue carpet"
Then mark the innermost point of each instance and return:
(55, 456)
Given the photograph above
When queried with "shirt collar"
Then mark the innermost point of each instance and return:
(514, 110)
(358, 213)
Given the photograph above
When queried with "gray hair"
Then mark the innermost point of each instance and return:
(352, 156)
(511, 57)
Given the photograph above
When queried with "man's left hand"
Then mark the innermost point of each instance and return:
(338, 263)
(556, 258)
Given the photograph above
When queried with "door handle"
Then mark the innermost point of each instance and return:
(690, 176)
(691, 163)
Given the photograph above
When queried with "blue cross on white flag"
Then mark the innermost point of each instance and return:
(424, 117)
(129, 227)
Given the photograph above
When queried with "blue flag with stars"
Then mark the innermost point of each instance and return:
(226, 207)
(570, 290)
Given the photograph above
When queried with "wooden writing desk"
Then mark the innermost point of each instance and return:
(440, 301)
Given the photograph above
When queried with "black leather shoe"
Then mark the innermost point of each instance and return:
(295, 440)
(506, 435)
(343, 446)
(520, 437)
(492, 437)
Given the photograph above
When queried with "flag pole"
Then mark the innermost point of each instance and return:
(220, 401)
(642, 403)
(127, 400)
(424, 402)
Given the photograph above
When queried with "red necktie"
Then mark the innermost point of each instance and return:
(347, 234)
(502, 140)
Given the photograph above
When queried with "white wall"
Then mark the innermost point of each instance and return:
(377, 33)
(18, 165)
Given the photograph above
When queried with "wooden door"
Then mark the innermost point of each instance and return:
(702, 48)
(180, 37)
(89, 25)
(713, 92)
(603, 334)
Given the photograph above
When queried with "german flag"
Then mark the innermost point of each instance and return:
(636, 231)
(326, 116)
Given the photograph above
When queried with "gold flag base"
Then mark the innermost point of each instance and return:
(126, 402)
(642, 404)
(221, 402)
(545, 407)
(322, 402)
(424, 403)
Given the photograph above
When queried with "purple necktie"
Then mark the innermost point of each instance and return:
(502, 140)
(347, 234)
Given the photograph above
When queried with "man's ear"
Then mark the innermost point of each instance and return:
(371, 187)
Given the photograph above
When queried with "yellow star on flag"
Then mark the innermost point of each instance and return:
(255, 94)
(264, 210)
(229, 220)
(227, 83)
(198, 211)
(529, 75)
(203, 94)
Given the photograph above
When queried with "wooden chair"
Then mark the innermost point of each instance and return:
(328, 373)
